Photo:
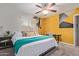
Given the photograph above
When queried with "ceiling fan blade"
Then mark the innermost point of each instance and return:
(44, 5)
(38, 12)
(52, 4)
(38, 6)
(35, 17)
(53, 10)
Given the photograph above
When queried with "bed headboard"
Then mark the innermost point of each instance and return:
(28, 29)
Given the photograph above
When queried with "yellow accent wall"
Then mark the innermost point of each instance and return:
(42, 24)
(67, 35)
(51, 25)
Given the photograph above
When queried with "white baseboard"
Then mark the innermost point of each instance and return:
(66, 44)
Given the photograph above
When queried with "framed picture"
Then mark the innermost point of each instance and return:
(62, 23)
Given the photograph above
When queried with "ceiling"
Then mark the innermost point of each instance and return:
(30, 8)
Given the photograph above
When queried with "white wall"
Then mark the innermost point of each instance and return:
(11, 18)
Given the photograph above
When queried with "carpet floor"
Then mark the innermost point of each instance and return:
(7, 52)
(63, 50)
(66, 50)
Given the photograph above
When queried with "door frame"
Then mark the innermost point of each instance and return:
(74, 28)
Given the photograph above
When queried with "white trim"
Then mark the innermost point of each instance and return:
(74, 30)
(67, 43)
(74, 35)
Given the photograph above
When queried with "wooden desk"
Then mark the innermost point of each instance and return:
(57, 37)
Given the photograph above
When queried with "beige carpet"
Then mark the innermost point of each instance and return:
(63, 50)
(66, 50)
(7, 52)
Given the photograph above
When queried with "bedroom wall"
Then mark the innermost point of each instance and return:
(51, 25)
(42, 24)
(67, 33)
(70, 31)
(8, 18)
(12, 18)
(14, 22)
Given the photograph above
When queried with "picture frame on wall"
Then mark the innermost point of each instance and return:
(62, 23)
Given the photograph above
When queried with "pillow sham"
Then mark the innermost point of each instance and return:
(24, 33)
(29, 33)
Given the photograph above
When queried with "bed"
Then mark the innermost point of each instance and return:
(35, 47)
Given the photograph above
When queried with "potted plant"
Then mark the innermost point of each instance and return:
(7, 33)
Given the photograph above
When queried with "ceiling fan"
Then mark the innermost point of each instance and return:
(45, 8)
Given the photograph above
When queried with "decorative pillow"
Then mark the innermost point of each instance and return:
(31, 33)
(28, 33)
(24, 33)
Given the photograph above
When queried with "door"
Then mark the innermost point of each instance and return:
(77, 30)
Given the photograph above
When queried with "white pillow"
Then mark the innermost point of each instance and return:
(16, 35)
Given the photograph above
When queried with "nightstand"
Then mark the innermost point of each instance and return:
(5, 42)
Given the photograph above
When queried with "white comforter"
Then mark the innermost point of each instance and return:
(35, 48)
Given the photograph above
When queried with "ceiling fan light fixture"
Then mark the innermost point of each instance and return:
(45, 11)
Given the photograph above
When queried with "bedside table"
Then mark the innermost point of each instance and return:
(5, 42)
